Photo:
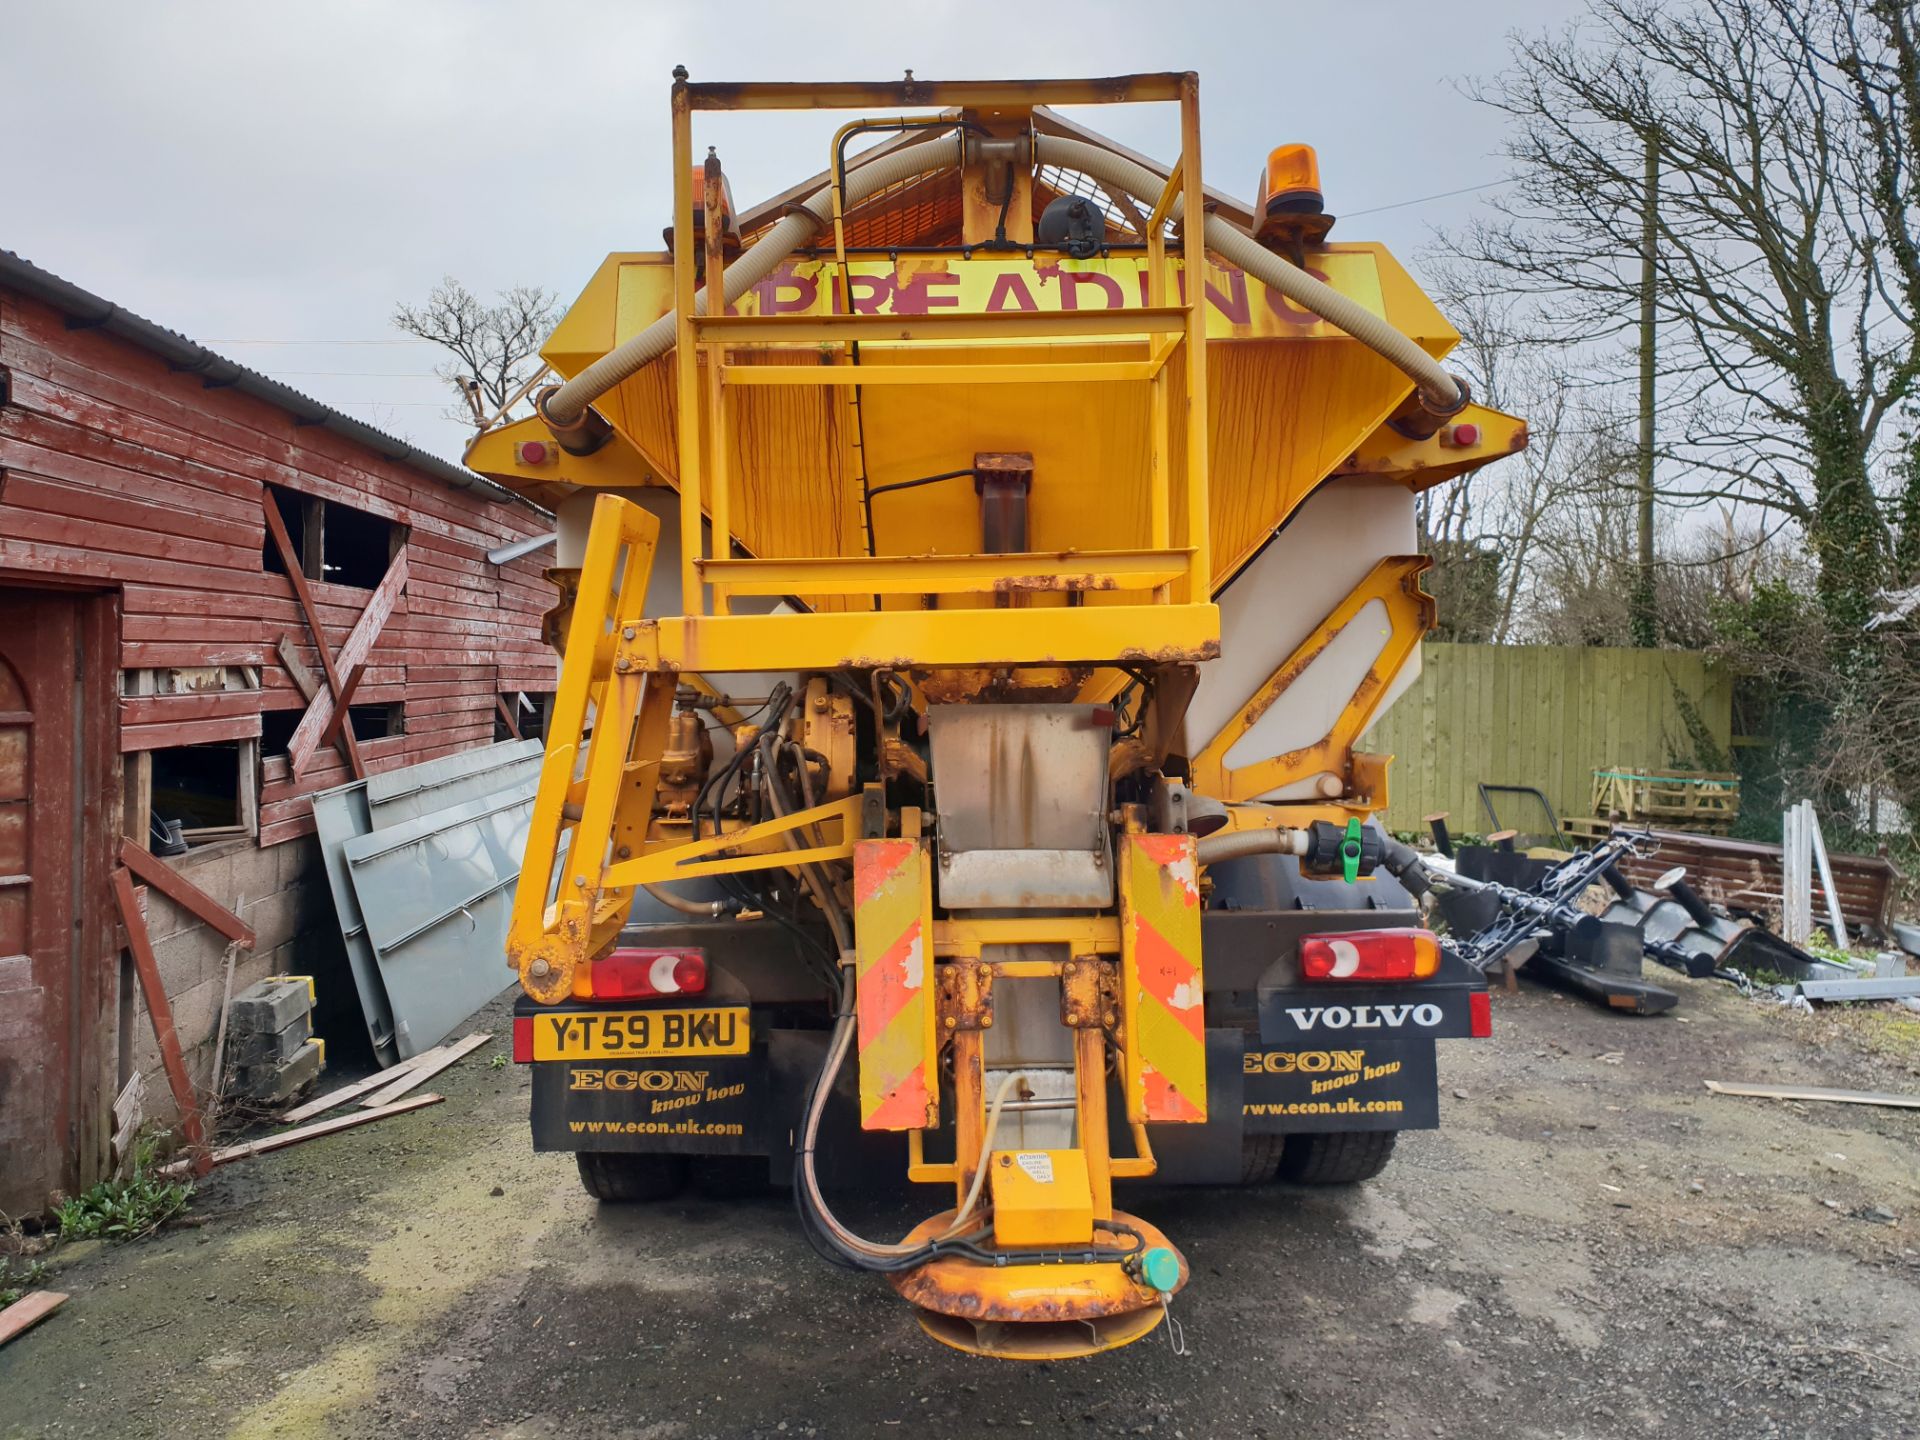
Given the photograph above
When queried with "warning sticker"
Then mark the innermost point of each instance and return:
(1039, 1166)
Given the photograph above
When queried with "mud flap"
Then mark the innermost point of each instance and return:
(1353, 1083)
(1207, 1153)
(711, 1106)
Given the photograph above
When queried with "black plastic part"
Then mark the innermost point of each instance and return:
(1326, 852)
(1619, 992)
(1074, 224)
(1690, 901)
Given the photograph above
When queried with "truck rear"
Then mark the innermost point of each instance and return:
(967, 629)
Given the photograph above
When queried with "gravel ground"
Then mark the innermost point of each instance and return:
(1592, 1246)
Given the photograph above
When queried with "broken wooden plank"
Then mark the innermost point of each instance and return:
(377, 1081)
(353, 654)
(1816, 1092)
(28, 1311)
(342, 711)
(348, 1121)
(160, 1011)
(423, 1073)
(302, 677)
(184, 893)
(507, 718)
(277, 528)
(129, 1109)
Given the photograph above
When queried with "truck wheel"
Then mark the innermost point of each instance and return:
(1260, 1157)
(618, 1178)
(1342, 1158)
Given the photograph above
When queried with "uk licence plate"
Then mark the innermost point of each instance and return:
(616, 1034)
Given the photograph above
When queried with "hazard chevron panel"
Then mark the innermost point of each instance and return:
(1165, 1042)
(893, 970)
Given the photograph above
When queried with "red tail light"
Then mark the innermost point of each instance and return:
(645, 974)
(1370, 956)
(523, 1039)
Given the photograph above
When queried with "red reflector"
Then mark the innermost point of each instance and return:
(1480, 1014)
(1370, 955)
(643, 974)
(1466, 435)
(522, 1039)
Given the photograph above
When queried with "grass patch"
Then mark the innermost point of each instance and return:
(126, 1209)
(18, 1276)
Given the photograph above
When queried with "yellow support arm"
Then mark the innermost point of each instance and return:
(1395, 582)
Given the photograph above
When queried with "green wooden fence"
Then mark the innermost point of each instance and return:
(1542, 715)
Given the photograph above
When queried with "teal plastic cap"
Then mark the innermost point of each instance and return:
(1160, 1268)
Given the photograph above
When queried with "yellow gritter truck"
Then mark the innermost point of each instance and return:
(967, 626)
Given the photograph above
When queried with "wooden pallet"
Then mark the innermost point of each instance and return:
(1703, 800)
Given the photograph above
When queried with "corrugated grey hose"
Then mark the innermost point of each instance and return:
(568, 403)
(1439, 390)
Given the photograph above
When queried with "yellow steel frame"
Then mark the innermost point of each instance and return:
(1395, 582)
(1178, 578)
(1075, 935)
(597, 786)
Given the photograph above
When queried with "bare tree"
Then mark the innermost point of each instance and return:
(495, 347)
(1787, 323)
(1489, 530)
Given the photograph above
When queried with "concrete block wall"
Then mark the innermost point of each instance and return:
(281, 891)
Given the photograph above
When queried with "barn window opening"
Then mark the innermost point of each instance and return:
(357, 546)
(376, 722)
(276, 730)
(195, 791)
(529, 709)
(301, 515)
(332, 542)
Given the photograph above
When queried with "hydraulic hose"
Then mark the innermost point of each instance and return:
(1237, 844)
(565, 405)
(1402, 861)
(1440, 392)
(708, 909)
(986, 1149)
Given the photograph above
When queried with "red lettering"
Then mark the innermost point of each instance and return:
(879, 287)
(1072, 280)
(1010, 287)
(1287, 312)
(914, 295)
(785, 292)
(1234, 304)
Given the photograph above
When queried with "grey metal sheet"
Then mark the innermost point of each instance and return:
(340, 815)
(392, 797)
(1865, 989)
(435, 893)
(1021, 792)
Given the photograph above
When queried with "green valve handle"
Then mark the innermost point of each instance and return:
(1350, 851)
(1160, 1269)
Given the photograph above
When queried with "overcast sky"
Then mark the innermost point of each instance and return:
(283, 172)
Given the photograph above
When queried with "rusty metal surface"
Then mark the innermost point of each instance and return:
(1031, 1294)
(1745, 875)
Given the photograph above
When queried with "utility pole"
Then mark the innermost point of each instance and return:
(1645, 621)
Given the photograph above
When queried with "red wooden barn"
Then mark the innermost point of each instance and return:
(195, 563)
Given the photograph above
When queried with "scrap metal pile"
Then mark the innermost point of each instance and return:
(1504, 907)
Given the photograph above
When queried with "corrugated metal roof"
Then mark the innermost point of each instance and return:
(218, 371)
